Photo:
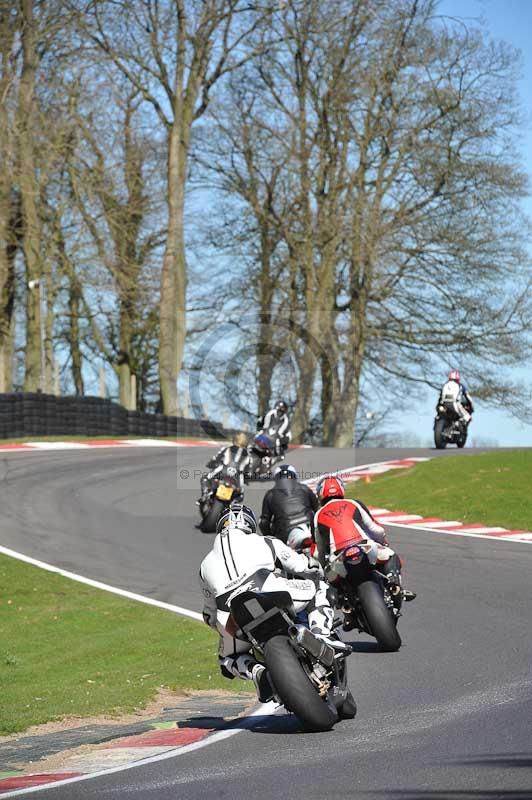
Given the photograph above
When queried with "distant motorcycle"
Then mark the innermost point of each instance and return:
(262, 455)
(371, 600)
(225, 489)
(448, 429)
(308, 676)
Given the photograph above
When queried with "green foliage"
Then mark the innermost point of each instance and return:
(70, 650)
(493, 488)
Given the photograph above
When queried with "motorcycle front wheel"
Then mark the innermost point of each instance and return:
(462, 439)
(208, 523)
(294, 687)
(379, 617)
(439, 439)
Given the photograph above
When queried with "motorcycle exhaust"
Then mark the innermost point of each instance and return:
(323, 652)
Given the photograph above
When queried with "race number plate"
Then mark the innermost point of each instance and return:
(224, 492)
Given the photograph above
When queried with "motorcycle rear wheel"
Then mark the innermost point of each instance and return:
(379, 616)
(439, 439)
(295, 689)
(208, 523)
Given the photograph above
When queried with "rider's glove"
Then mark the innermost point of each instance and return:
(315, 566)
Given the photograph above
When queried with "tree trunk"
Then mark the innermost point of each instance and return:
(124, 355)
(173, 275)
(74, 302)
(31, 233)
(265, 355)
(9, 222)
(9, 216)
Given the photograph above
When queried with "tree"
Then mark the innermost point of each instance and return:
(9, 205)
(117, 199)
(404, 238)
(173, 53)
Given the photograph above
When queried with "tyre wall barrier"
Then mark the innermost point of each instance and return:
(37, 414)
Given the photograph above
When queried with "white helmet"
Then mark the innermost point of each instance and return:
(237, 516)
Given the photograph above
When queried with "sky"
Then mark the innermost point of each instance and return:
(510, 20)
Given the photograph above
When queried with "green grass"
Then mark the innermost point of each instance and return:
(492, 488)
(70, 650)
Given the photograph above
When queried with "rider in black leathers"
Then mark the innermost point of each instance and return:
(287, 505)
(236, 454)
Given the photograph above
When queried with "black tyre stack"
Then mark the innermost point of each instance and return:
(34, 414)
(25, 414)
(8, 415)
(118, 418)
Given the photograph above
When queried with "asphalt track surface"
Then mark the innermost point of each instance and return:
(448, 717)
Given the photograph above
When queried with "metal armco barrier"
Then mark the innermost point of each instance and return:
(36, 414)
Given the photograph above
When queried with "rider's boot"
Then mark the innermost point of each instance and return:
(349, 621)
(262, 683)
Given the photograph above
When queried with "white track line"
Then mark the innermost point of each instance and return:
(449, 532)
(185, 612)
(265, 709)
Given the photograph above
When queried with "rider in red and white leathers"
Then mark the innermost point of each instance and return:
(242, 558)
(340, 522)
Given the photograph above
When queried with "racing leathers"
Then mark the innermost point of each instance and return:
(455, 398)
(340, 522)
(287, 505)
(240, 559)
(278, 422)
(237, 457)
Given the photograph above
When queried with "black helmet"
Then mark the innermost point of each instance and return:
(284, 471)
(281, 406)
(237, 516)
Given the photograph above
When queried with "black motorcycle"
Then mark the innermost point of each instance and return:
(370, 599)
(448, 429)
(225, 489)
(307, 675)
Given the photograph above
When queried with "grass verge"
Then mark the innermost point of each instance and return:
(70, 650)
(492, 488)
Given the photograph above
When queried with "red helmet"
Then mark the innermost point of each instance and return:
(330, 487)
(454, 375)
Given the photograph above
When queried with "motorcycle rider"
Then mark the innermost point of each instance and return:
(287, 506)
(239, 556)
(277, 418)
(236, 455)
(337, 524)
(455, 398)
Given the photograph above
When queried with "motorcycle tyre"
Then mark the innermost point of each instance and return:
(439, 440)
(381, 622)
(209, 521)
(462, 440)
(295, 689)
